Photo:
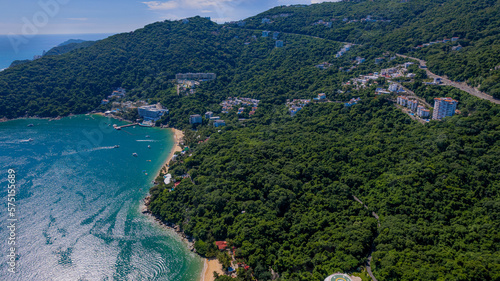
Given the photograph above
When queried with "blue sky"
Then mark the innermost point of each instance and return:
(113, 16)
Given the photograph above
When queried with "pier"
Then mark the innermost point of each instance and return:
(124, 126)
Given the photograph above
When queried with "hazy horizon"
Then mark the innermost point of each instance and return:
(57, 17)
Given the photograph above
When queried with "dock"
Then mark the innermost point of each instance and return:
(124, 126)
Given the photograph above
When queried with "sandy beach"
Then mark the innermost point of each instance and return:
(210, 266)
(178, 135)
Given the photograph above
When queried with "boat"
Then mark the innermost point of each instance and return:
(116, 146)
(30, 125)
(134, 154)
(149, 146)
(147, 136)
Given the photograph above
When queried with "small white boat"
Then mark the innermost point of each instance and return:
(30, 125)
(134, 154)
(147, 136)
(116, 146)
(149, 146)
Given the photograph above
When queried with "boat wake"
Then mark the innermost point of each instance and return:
(65, 153)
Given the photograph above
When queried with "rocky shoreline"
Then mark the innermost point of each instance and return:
(176, 228)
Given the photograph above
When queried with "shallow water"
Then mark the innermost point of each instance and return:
(78, 203)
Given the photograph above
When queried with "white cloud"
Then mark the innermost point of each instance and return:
(157, 5)
(172, 4)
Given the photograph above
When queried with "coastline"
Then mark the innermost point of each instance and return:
(210, 265)
(178, 135)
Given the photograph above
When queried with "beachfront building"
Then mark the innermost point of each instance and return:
(279, 43)
(195, 119)
(423, 112)
(209, 114)
(265, 33)
(444, 107)
(195, 76)
(152, 112)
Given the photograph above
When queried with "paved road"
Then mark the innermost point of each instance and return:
(413, 95)
(368, 267)
(368, 263)
(459, 85)
(299, 34)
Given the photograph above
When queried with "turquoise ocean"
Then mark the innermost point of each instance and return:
(78, 202)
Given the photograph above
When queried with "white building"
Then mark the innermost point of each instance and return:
(423, 112)
(402, 100)
(412, 105)
(444, 107)
(152, 112)
(393, 87)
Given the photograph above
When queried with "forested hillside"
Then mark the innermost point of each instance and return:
(280, 190)
(69, 46)
(77, 81)
(400, 26)
(146, 59)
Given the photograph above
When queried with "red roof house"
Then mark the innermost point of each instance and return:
(221, 245)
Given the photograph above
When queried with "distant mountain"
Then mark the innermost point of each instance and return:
(71, 41)
(18, 62)
(68, 46)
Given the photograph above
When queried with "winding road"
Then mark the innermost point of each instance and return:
(368, 263)
(459, 85)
